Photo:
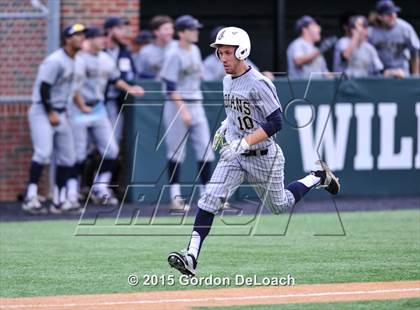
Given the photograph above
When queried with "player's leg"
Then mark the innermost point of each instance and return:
(266, 174)
(66, 158)
(176, 135)
(116, 118)
(201, 142)
(42, 143)
(108, 148)
(226, 178)
(80, 137)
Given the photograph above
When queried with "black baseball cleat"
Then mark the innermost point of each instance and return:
(329, 181)
(183, 262)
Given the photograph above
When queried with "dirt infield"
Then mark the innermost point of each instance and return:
(188, 299)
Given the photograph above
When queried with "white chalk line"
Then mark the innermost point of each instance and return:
(204, 299)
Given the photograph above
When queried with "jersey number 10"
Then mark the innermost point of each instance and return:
(245, 123)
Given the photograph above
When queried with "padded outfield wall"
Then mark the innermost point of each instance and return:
(368, 130)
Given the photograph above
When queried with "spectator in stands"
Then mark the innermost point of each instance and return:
(150, 59)
(353, 54)
(144, 38)
(395, 40)
(213, 69)
(303, 57)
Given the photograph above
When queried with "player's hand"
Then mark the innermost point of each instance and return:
(327, 44)
(219, 135)
(233, 149)
(53, 118)
(136, 91)
(396, 73)
(186, 117)
(86, 109)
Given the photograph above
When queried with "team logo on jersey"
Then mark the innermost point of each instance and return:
(237, 104)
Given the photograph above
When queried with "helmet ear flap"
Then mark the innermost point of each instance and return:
(240, 53)
(217, 53)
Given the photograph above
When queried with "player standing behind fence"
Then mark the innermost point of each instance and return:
(95, 68)
(183, 114)
(353, 54)
(395, 40)
(254, 115)
(150, 59)
(116, 31)
(49, 124)
(303, 57)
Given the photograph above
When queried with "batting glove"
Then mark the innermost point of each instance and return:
(219, 135)
(234, 149)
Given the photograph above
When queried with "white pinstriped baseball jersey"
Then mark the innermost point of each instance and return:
(248, 100)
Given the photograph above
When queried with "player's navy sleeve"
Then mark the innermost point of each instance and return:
(273, 124)
(45, 95)
(170, 86)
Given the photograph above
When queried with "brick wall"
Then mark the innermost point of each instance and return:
(23, 46)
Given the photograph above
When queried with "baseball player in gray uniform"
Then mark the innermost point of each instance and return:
(353, 54)
(303, 57)
(150, 59)
(183, 114)
(49, 124)
(116, 29)
(254, 115)
(94, 69)
(396, 41)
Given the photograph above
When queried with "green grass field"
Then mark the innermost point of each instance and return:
(45, 258)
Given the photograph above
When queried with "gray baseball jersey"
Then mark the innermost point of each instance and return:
(58, 71)
(248, 100)
(395, 45)
(149, 59)
(185, 68)
(213, 69)
(364, 60)
(92, 73)
(298, 48)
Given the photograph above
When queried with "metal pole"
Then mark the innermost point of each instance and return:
(280, 56)
(53, 26)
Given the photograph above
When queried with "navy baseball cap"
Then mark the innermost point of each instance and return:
(144, 37)
(387, 7)
(303, 22)
(187, 22)
(73, 29)
(94, 32)
(114, 21)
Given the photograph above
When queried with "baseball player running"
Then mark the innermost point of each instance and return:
(254, 115)
(183, 114)
(49, 125)
(94, 68)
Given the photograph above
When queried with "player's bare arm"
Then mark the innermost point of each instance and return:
(132, 89)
